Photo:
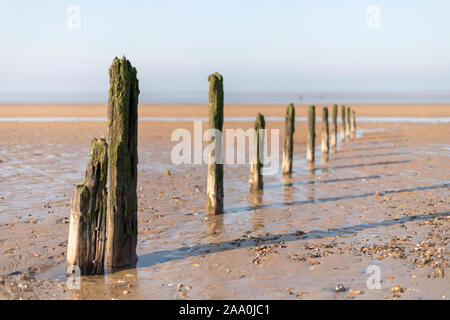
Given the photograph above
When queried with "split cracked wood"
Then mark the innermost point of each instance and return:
(87, 230)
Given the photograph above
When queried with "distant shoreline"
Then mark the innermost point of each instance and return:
(235, 97)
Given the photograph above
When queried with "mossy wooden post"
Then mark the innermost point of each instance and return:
(122, 228)
(87, 230)
(214, 185)
(353, 124)
(310, 141)
(347, 131)
(289, 128)
(256, 179)
(343, 123)
(334, 129)
(325, 134)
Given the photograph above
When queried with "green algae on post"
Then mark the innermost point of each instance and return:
(347, 127)
(87, 230)
(353, 127)
(334, 128)
(214, 184)
(342, 123)
(310, 142)
(325, 134)
(256, 179)
(122, 224)
(288, 149)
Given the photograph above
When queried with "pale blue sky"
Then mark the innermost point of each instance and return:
(258, 46)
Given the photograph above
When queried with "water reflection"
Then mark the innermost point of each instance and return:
(86, 287)
(311, 188)
(325, 158)
(122, 284)
(288, 188)
(214, 224)
(255, 200)
(334, 149)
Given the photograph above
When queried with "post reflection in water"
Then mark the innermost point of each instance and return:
(310, 167)
(256, 199)
(122, 284)
(214, 224)
(325, 158)
(86, 287)
(311, 189)
(288, 188)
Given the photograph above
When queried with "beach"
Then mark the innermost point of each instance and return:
(381, 202)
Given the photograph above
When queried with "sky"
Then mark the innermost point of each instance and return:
(257, 45)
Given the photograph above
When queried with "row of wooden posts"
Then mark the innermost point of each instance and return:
(214, 188)
(106, 221)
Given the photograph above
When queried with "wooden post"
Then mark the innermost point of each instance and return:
(343, 123)
(214, 185)
(122, 228)
(347, 130)
(256, 179)
(325, 134)
(288, 139)
(334, 128)
(87, 230)
(353, 124)
(310, 142)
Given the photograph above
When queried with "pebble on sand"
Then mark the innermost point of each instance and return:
(340, 288)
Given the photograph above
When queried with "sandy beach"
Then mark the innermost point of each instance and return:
(382, 200)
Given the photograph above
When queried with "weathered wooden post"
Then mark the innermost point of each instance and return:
(214, 184)
(347, 131)
(353, 124)
(87, 230)
(122, 228)
(325, 134)
(256, 179)
(334, 129)
(343, 123)
(288, 139)
(311, 137)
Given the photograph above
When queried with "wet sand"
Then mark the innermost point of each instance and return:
(201, 110)
(382, 199)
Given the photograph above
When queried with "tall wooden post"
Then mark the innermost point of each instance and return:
(310, 142)
(353, 124)
(347, 131)
(122, 228)
(334, 128)
(343, 123)
(288, 139)
(214, 184)
(87, 230)
(256, 179)
(325, 134)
